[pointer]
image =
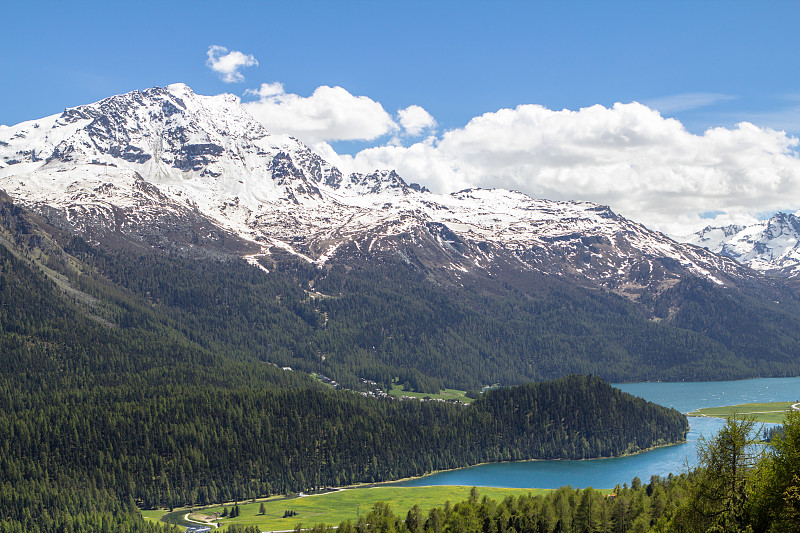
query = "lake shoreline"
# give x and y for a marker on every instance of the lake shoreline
(608, 471)
(519, 461)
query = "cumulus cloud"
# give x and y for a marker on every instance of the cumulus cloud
(329, 114)
(267, 90)
(228, 64)
(414, 120)
(646, 167)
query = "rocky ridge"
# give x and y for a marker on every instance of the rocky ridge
(771, 246)
(169, 169)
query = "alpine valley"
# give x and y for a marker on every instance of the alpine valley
(182, 291)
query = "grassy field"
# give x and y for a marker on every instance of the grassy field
(773, 412)
(447, 394)
(154, 515)
(335, 507)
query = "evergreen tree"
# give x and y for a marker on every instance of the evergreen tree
(719, 487)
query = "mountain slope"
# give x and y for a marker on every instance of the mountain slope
(366, 276)
(771, 246)
(184, 172)
(106, 404)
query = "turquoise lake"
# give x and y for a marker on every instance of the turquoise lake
(606, 473)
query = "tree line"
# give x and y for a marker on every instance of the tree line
(737, 487)
(385, 321)
(97, 420)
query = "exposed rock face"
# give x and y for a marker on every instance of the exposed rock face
(771, 246)
(170, 169)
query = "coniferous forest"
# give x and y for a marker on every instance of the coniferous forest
(387, 320)
(112, 400)
(132, 380)
(734, 489)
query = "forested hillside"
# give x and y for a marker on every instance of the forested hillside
(389, 320)
(369, 276)
(111, 400)
(734, 489)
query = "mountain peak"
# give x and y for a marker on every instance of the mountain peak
(170, 168)
(380, 181)
(771, 245)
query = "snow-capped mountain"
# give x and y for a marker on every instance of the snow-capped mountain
(771, 245)
(168, 168)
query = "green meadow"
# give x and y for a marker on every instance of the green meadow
(334, 507)
(446, 394)
(772, 412)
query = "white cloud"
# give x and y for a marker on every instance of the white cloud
(227, 64)
(267, 90)
(686, 101)
(329, 114)
(786, 119)
(414, 120)
(646, 167)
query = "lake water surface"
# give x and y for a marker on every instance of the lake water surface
(606, 473)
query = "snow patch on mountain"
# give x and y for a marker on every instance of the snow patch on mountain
(772, 245)
(140, 159)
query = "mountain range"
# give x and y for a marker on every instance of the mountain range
(771, 246)
(389, 279)
(175, 170)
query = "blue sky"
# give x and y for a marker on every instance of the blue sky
(707, 64)
(455, 59)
